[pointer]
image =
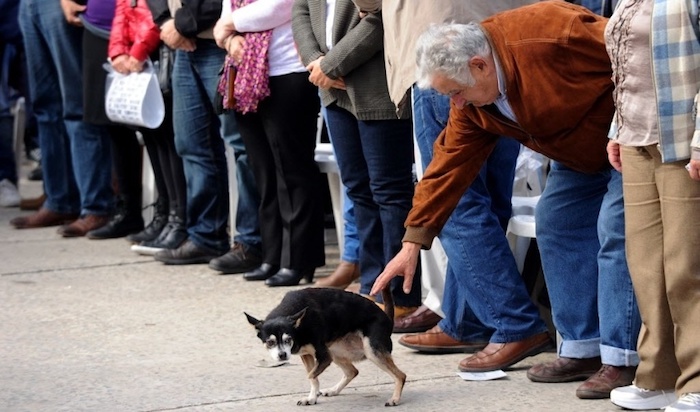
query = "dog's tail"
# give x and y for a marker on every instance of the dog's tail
(388, 303)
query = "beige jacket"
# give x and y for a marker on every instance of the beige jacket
(405, 20)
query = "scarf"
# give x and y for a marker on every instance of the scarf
(250, 77)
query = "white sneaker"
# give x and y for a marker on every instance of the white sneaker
(638, 399)
(687, 402)
(9, 196)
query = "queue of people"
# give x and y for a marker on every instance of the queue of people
(467, 84)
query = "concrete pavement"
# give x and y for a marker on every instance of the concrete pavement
(88, 325)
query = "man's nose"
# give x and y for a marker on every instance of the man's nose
(458, 100)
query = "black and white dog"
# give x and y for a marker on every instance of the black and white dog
(330, 325)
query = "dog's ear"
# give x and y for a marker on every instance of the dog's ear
(253, 321)
(297, 317)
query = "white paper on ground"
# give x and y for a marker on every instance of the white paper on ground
(482, 376)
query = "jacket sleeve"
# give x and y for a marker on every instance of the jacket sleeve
(359, 45)
(146, 36)
(159, 11)
(196, 16)
(118, 37)
(459, 152)
(302, 28)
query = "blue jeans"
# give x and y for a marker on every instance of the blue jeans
(247, 218)
(580, 232)
(485, 298)
(375, 160)
(351, 246)
(199, 144)
(76, 156)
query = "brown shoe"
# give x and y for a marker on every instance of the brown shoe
(342, 276)
(43, 218)
(419, 321)
(606, 379)
(564, 370)
(32, 204)
(83, 225)
(437, 341)
(503, 355)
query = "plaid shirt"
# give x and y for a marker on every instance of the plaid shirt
(675, 47)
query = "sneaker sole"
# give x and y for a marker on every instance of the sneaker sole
(642, 405)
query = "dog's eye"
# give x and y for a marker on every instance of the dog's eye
(270, 343)
(287, 341)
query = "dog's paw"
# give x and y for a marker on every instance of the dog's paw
(329, 392)
(306, 401)
(392, 402)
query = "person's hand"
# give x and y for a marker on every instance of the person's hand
(403, 264)
(173, 38)
(614, 155)
(319, 79)
(119, 64)
(694, 169)
(134, 65)
(71, 11)
(235, 46)
(223, 29)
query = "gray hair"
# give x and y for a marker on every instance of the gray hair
(446, 49)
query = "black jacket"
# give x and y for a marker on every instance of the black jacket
(194, 17)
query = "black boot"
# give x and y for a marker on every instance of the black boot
(160, 219)
(172, 236)
(124, 221)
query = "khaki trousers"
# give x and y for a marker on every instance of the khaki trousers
(662, 219)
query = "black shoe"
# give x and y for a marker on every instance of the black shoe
(36, 174)
(237, 260)
(187, 254)
(265, 271)
(151, 231)
(120, 225)
(290, 277)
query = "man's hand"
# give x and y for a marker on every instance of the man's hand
(403, 264)
(71, 10)
(223, 29)
(614, 155)
(318, 78)
(173, 38)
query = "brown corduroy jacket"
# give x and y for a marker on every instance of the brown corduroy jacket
(558, 83)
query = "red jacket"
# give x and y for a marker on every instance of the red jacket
(133, 30)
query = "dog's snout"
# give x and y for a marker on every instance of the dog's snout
(282, 355)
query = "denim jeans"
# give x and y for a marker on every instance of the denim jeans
(76, 156)
(247, 218)
(8, 167)
(375, 160)
(198, 141)
(485, 298)
(351, 244)
(580, 232)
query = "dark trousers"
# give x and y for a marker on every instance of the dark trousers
(280, 140)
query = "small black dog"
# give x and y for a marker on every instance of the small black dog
(325, 325)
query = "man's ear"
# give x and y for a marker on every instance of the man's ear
(478, 63)
(253, 321)
(297, 317)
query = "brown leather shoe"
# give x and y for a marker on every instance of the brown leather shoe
(437, 341)
(606, 379)
(342, 276)
(32, 204)
(83, 225)
(43, 218)
(503, 355)
(564, 370)
(419, 321)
